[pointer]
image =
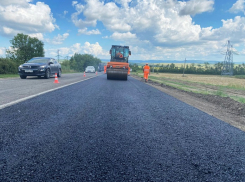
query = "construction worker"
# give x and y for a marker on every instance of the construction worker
(105, 69)
(146, 71)
(119, 54)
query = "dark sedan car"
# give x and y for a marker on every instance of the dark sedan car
(40, 66)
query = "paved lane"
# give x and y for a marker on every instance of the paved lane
(16, 88)
(110, 130)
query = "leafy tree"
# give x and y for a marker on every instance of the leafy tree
(79, 62)
(24, 48)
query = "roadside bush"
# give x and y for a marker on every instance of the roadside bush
(8, 66)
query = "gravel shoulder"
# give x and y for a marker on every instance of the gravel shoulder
(223, 108)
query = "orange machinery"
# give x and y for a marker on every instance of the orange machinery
(118, 67)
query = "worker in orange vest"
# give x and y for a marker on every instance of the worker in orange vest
(146, 71)
(105, 69)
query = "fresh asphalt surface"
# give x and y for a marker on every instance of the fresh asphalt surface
(112, 130)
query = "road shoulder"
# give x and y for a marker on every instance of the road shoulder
(227, 110)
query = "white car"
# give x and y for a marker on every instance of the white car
(90, 69)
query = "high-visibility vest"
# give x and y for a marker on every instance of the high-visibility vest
(146, 69)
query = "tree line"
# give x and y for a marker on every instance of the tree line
(192, 68)
(24, 47)
(78, 62)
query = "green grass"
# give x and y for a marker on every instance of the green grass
(8, 75)
(69, 71)
(170, 82)
(239, 99)
(220, 93)
(182, 86)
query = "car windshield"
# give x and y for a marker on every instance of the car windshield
(90, 67)
(38, 61)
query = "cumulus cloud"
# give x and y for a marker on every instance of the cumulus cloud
(123, 36)
(163, 27)
(238, 7)
(194, 7)
(94, 49)
(22, 17)
(39, 36)
(2, 51)
(110, 14)
(124, 3)
(58, 39)
(232, 29)
(86, 32)
(22, 3)
(154, 22)
(87, 48)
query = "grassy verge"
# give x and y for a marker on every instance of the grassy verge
(239, 99)
(8, 75)
(17, 75)
(220, 92)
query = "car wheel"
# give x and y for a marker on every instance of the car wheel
(47, 74)
(23, 77)
(59, 73)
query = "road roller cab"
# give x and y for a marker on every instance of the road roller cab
(118, 67)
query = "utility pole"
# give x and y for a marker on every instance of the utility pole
(58, 55)
(184, 69)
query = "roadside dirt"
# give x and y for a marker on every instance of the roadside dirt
(223, 108)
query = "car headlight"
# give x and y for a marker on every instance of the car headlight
(20, 67)
(42, 68)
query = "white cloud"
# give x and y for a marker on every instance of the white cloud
(86, 32)
(94, 49)
(22, 17)
(87, 48)
(124, 3)
(39, 36)
(2, 51)
(74, 3)
(123, 36)
(232, 29)
(152, 25)
(194, 7)
(58, 39)
(15, 2)
(110, 14)
(238, 6)
(65, 12)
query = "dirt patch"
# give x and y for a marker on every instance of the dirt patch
(223, 108)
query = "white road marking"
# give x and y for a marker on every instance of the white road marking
(32, 96)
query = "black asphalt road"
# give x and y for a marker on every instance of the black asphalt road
(112, 130)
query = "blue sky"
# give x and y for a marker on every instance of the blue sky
(154, 29)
